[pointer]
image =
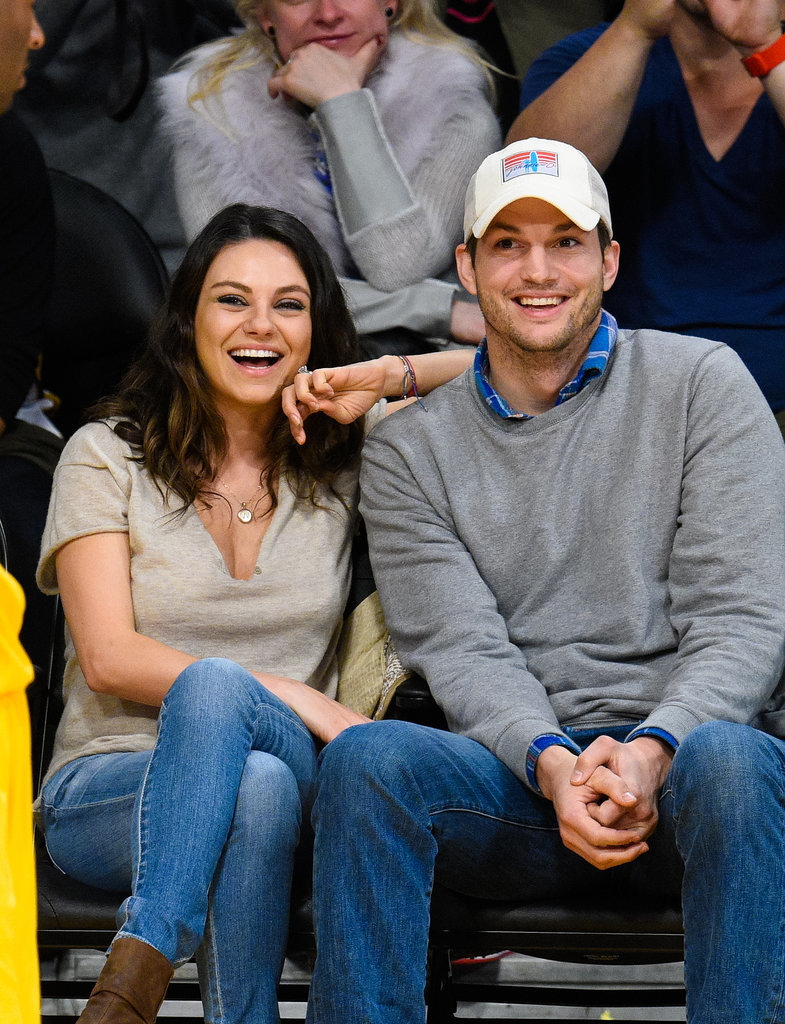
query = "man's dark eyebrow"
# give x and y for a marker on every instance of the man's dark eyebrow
(501, 226)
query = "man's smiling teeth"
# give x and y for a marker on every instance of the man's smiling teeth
(553, 301)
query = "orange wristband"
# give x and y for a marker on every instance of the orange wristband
(761, 63)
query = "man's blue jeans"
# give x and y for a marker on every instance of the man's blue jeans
(203, 830)
(398, 805)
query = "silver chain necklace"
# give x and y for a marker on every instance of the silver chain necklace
(244, 514)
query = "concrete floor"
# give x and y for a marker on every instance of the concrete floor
(512, 969)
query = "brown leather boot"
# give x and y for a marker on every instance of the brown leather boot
(131, 987)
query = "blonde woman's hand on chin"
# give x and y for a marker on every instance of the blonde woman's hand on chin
(323, 716)
(315, 73)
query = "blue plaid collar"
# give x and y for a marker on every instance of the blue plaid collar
(593, 366)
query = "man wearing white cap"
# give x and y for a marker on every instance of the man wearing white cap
(580, 544)
(680, 104)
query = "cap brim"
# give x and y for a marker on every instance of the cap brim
(532, 187)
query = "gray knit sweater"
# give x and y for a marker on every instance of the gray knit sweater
(617, 559)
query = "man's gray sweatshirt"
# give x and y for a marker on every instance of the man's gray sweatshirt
(617, 559)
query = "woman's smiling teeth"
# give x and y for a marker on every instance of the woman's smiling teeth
(255, 356)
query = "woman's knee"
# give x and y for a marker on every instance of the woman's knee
(211, 687)
(268, 809)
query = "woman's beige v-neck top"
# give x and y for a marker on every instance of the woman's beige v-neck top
(284, 620)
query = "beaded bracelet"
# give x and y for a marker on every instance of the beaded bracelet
(409, 383)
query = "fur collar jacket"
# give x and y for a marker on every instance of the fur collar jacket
(242, 145)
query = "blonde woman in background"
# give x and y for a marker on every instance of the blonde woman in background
(365, 119)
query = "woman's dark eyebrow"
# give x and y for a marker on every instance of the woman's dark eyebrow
(232, 284)
(244, 287)
(293, 288)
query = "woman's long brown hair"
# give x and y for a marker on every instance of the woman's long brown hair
(163, 406)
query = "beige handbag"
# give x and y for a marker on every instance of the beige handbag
(369, 670)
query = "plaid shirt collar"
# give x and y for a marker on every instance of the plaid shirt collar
(593, 366)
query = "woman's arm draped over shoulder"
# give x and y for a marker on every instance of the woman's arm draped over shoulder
(347, 392)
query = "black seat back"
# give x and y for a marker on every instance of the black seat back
(109, 283)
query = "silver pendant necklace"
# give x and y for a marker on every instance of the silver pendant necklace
(244, 514)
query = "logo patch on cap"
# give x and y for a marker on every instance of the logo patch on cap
(533, 161)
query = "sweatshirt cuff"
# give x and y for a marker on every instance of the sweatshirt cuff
(653, 730)
(425, 307)
(673, 719)
(536, 747)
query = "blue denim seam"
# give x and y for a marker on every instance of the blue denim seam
(46, 844)
(217, 993)
(298, 724)
(53, 809)
(140, 861)
(775, 1014)
(493, 817)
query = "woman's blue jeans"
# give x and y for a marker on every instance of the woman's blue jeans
(203, 830)
(398, 805)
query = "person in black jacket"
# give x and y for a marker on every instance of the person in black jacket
(29, 445)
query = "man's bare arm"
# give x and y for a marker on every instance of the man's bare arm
(752, 26)
(591, 104)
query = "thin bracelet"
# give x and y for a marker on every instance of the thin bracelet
(409, 382)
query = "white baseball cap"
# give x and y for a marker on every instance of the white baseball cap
(543, 169)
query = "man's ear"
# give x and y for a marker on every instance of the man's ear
(610, 265)
(463, 261)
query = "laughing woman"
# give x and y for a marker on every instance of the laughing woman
(202, 556)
